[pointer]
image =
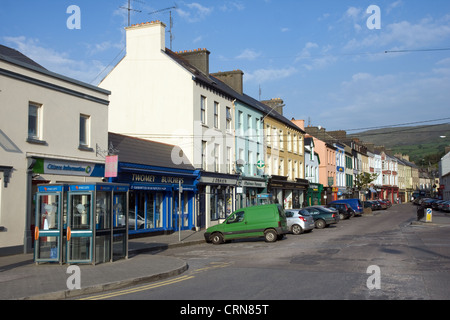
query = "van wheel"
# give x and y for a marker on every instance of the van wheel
(320, 224)
(270, 235)
(296, 229)
(216, 238)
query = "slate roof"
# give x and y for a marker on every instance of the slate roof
(144, 152)
(16, 55)
(13, 56)
(220, 86)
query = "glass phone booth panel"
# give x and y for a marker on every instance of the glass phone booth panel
(103, 219)
(48, 224)
(79, 239)
(120, 222)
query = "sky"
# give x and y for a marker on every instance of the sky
(339, 64)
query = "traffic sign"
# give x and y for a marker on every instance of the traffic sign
(429, 215)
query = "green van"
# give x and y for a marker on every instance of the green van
(268, 221)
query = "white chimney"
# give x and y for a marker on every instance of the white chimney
(145, 40)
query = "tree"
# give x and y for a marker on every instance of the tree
(364, 179)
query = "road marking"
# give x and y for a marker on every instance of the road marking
(134, 290)
(213, 265)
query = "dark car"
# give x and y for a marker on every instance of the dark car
(445, 206)
(345, 212)
(323, 217)
(435, 205)
(372, 205)
(382, 204)
(428, 203)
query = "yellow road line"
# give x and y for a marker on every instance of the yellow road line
(215, 265)
(133, 290)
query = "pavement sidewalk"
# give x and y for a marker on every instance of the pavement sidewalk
(21, 278)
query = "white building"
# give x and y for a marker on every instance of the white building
(170, 97)
(51, 128)
(444, 176)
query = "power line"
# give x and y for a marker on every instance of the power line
(398, 125)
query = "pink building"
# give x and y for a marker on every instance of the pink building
(327, 155)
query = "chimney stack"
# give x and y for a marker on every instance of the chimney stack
(145, 40)
(233, 79)
(276, 104)
(199, 58)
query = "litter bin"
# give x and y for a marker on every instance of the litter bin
(420, 213)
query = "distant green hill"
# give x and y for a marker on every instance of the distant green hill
(423, 144)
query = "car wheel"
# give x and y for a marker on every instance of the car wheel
(320, 224)
(296, 229)
(216, 238)
(341, 216)
(270, 235)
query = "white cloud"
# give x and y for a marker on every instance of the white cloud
(58, 62)
(248, 54)
(194, 12)
(380, 99)
(405, 35)
(232, 5)
(266, 75)
(314, 57)
(353, 12)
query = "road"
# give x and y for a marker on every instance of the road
(375, 257)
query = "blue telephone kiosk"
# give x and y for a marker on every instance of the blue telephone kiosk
(81, 223)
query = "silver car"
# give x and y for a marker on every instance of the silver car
(299, 222)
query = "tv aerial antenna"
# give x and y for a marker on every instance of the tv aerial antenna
(131, 9)
(170, 21)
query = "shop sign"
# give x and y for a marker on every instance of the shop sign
(145, 178)
(255, 184)
(221, 181)
(61, 167)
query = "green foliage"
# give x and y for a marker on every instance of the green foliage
(364, 179)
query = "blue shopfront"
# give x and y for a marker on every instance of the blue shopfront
(155, 200)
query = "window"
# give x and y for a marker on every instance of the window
(203, 109)
(295, 142)
(216, 114)
(281, 139)
(289, 142)
(229, 119)
(34, 119)
(240, 123)
(229, 156)
(204, 155)
(268, 138)
(216, 157)
(84, 130)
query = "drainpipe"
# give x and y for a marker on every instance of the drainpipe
(28, 198)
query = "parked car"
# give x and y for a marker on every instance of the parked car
(298, 221)
(372, 205)
(323, 217)
(428, 203)
(388, 202)
(383, 204)
(445, 206)
(268, 221)
(354, 203)
(435, 205)
(344, 210)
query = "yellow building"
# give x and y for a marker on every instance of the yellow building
(284, 157)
